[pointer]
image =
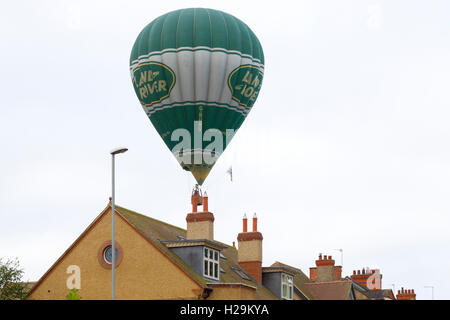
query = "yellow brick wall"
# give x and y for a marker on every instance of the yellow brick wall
(200, 230)
(250, 250)
(144, 273)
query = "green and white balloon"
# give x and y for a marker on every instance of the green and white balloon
(199, 70)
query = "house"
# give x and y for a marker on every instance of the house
(156, 260)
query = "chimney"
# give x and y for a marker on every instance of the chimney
(370, 278)
(205, 202)
(250, 249)
(200, 225)
(406, 295)
(325, 270)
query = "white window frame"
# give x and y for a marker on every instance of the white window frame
(208, 261)
(287, 282)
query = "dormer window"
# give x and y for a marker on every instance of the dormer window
(211, 263)
(287, 287)
(202, 255)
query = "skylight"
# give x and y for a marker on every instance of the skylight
(242, 274)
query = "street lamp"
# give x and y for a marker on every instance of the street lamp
(113, 245)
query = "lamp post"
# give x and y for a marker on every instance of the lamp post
(113, 245)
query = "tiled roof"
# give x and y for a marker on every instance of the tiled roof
(154, 231)
(379, 294)
(333, 290)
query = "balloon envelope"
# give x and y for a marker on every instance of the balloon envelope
(197, 73)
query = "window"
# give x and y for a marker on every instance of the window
(104, 254)
(107, 254)
(287, 287)
(211, 263)
(241, 274)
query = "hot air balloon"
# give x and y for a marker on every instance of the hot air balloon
(197, 73)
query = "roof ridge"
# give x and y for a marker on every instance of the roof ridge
(281, 264)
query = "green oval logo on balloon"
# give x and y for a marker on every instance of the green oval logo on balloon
(197, 73)
(245, 83)
(153, 82)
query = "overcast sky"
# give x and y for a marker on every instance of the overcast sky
(346, 147)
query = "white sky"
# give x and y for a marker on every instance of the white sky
(346, 147)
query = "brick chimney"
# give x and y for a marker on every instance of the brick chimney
(250, 249)
(200, 225)
(325, 270)
(371, 278)
(406, 295)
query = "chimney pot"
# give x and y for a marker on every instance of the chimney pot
(255, 223)
(320, 256)
(354, 272)
(194, 200)
(324, 257)
(205, 203)
(412, 291)
(244, 223)
(359, 271)
(329, 257)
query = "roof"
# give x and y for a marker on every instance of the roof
(382, 294)
(332, 290)
(158, 232)
(300, 279)
(278, 269)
